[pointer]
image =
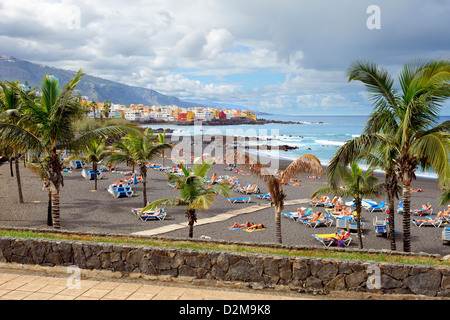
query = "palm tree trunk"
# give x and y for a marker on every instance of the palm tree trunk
(94, 166)
(19, 182)
(358, 222)
(391, 221)
(406, 216)
(11, 166)
(191, 217)
(278, 224)
(49, 208)
(144, 184)
(55, 210)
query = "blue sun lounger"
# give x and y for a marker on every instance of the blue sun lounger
(430, 222)
(120, 192)
(239, 200)
(379, 207)
(265, 196)
(77, 164)
(324, 221)
(446, 235)
(381, 227)
(90, 175)
(150, 215)
(331, 239)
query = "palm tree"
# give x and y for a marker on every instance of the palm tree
(49, 131)
(410, 116)
(106, 108)
(93, 105)
(193, 191)
(305, 163)
(94, 152)
(11, 112)
(376, 150)
(162, 140)
(357, 185)
(139, 149)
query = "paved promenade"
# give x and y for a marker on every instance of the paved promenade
(18, 282)
(32, 282)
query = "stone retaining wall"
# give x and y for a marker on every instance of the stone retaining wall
(261, 271)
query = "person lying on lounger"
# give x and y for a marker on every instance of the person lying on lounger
(256, 227)
(428, 220)
(299, 214)
(315, 217)
(340, 235)
(443, 215)
(237, 225)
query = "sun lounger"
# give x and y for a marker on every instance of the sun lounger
(428, 223)
(331, 239)
(120, 192)
(77, 164)
(239, 200)
(265, 196)
(316, 203)
(446, 235)
(295, 215)
(324, 221)
(422, 212)
(90, 175)
(241, 189)
(380, 207)
(348, 223)
(252, 190)
(381, 227)
(150, 215)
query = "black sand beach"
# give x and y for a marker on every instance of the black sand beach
(85, 210)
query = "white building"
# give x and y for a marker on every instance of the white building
(132, 115)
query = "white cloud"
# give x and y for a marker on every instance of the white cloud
(191, 49)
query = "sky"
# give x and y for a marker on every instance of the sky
(282, 57)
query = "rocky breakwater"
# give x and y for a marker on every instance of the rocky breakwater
(302, 274)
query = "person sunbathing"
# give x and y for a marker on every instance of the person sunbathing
(299, 214)
(256, 227)
(428, 220)
(340, 235)
(315, 199)
(237, 225)
(214, 179)
(314, 218)
(443, 215)
(319, 217)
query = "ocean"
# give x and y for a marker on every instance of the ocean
(318, 135)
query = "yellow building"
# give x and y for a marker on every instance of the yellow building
(190, 116)
(248, 114)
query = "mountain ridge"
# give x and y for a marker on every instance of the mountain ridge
(95, 88)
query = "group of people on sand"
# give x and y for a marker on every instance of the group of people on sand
(441, 215)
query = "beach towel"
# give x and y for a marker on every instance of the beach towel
(237, 228)
(252, 230)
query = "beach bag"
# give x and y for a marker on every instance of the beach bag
(341, 243)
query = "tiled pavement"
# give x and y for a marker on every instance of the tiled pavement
(25, 284)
